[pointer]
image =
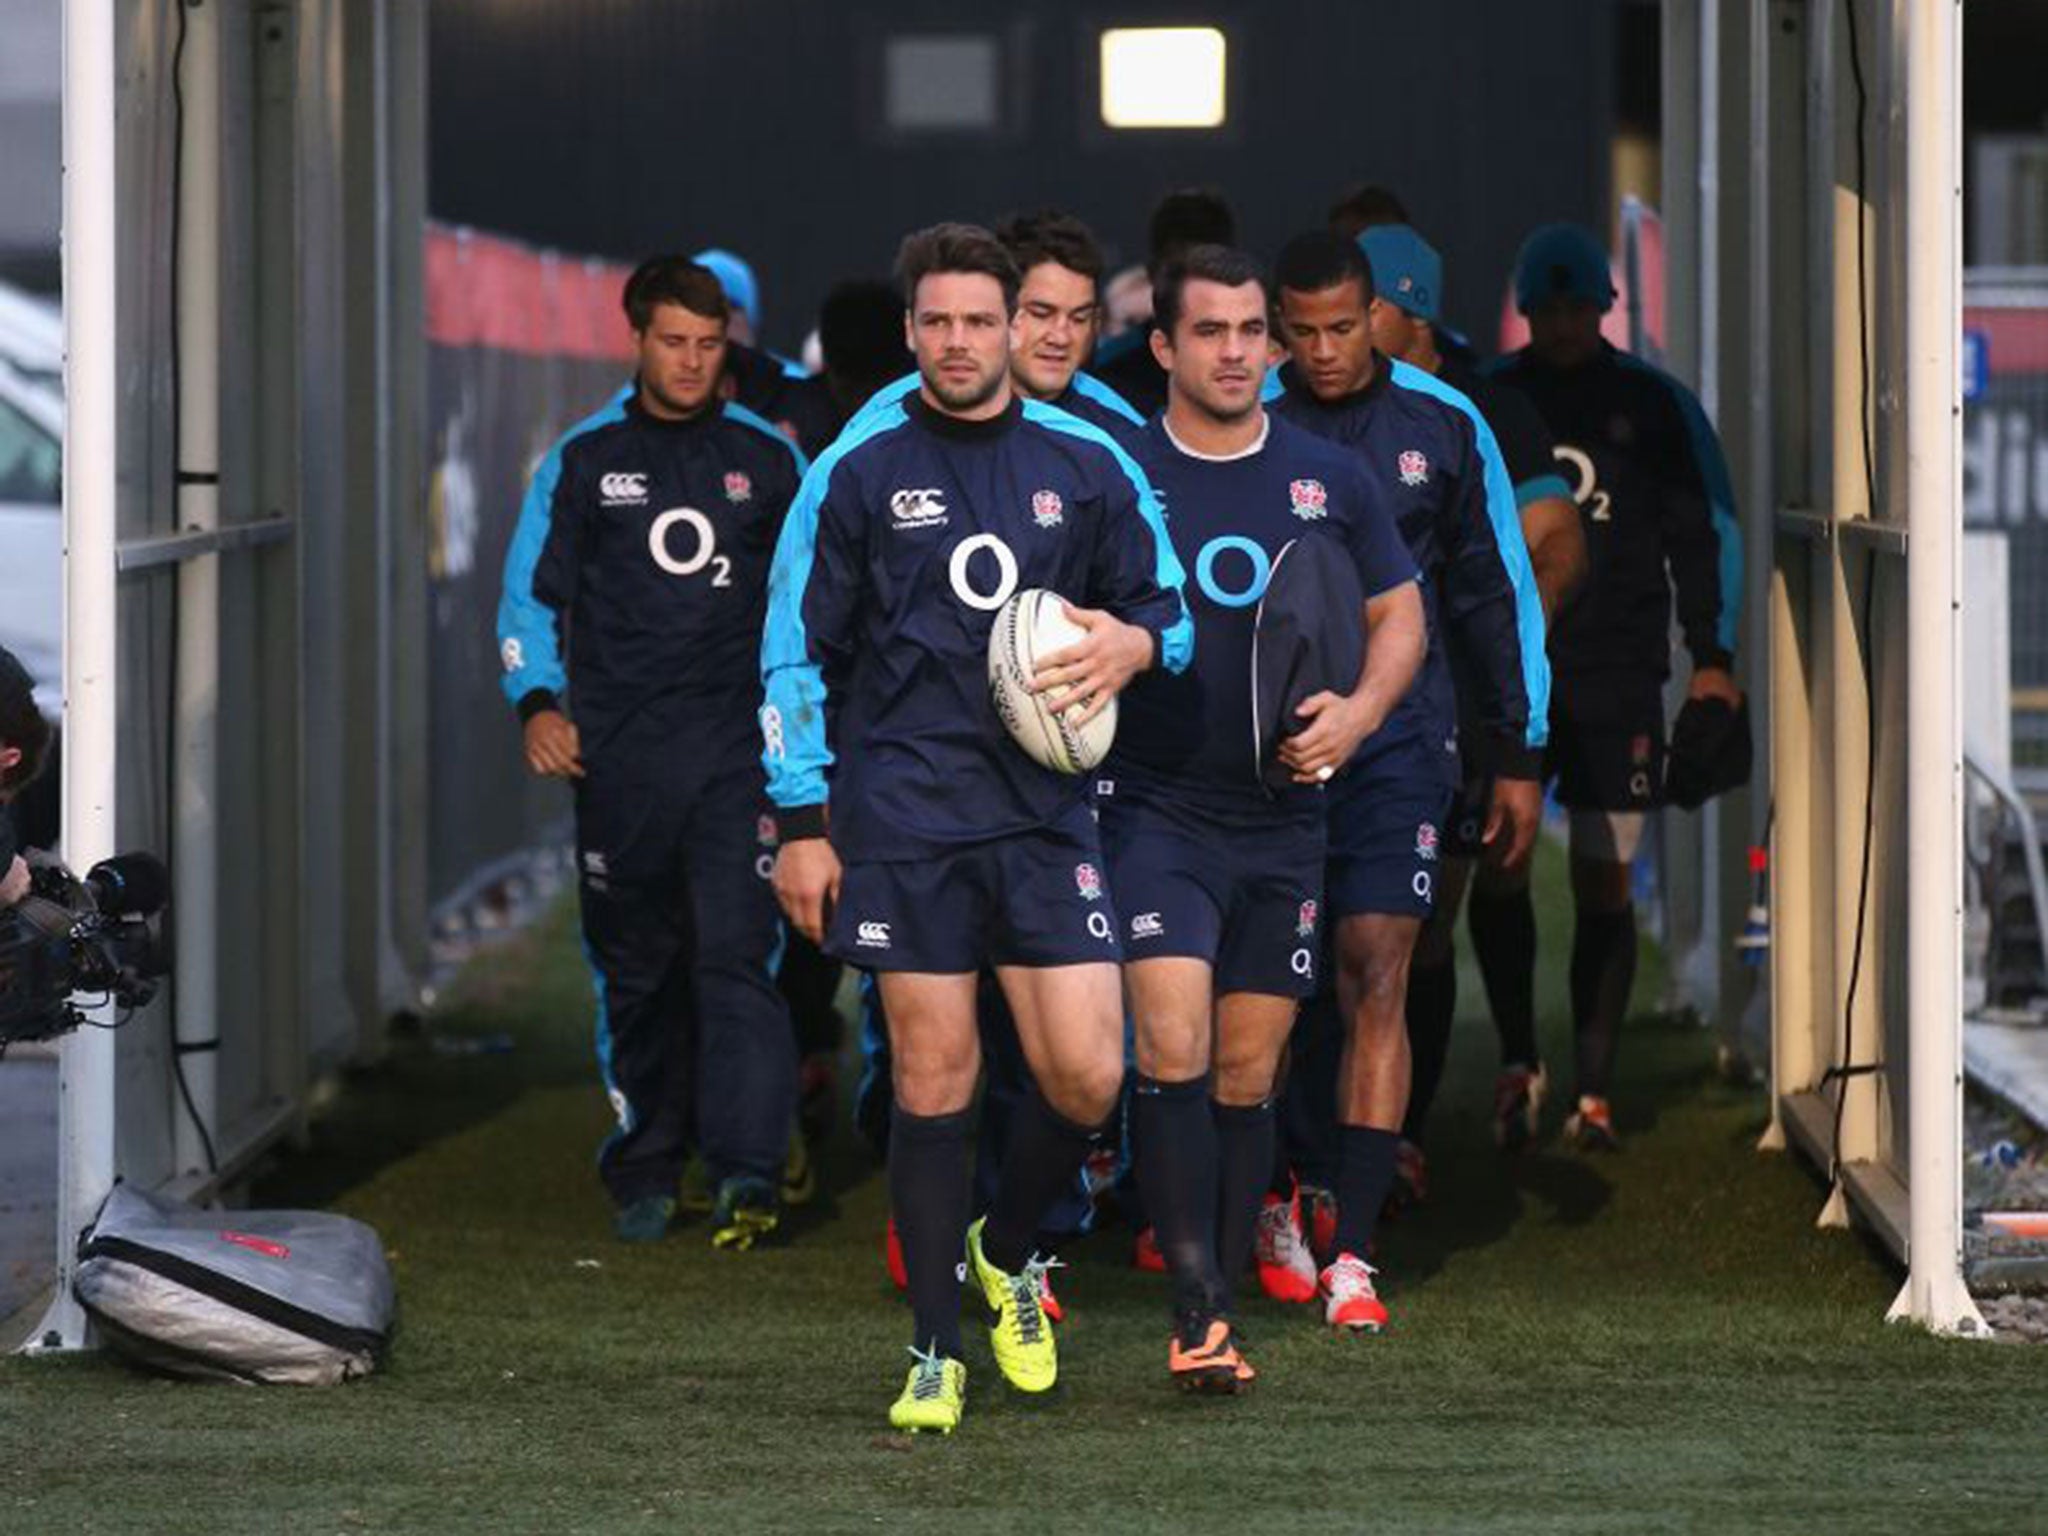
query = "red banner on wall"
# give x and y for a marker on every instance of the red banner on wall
(486, 291)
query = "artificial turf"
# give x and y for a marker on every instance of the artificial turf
(1659, 1340)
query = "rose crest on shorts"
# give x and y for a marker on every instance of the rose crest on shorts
(1413, 465)
(1047, 510)
(739, 486)
(764, 830)
(1425, 841)
(1305, 921)
(1088, 881)
(1308, 499)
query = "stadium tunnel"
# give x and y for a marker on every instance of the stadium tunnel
(280, 530)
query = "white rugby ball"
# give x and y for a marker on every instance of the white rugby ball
(1030, 625)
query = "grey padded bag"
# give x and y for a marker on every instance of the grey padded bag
(253, 1296)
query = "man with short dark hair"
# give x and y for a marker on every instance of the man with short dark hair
(1363, 205)
(917, 839)
(636, 582)
(24, 742)
(1218, 872)
(1658, 511)
(1432, 460)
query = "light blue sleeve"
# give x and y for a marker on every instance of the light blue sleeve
(1505, 517)
(1089, 387)
(794, 749)
(527, 642)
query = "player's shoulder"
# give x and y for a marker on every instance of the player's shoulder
(1104, 401)
(756, 434)
(1427, 395)
(1066, 434)
(603, 428)
(871, 437)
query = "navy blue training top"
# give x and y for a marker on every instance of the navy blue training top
(637, 575)
(1188, 739)
(908, 535)
(1432, 461)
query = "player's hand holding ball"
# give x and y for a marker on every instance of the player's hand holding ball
(807, 874)
(1095, 668)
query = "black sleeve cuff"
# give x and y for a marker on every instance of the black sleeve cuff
(535, 702)
(1712, 656)
(1515, 759)
(794, 823)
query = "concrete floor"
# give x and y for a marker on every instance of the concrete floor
(28, 1178)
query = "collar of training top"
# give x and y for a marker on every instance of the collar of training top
(1382, 376)
(961, 428)
(713, 410)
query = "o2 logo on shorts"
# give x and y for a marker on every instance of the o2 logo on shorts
(1099, 928)
(1586, 483)
(1305, 921)
(962, 580)
(765, 837)
(1088, 881)
(1424, 887)
(704, 553)
(1252, 590)
(1303, 963)
(1426, 842)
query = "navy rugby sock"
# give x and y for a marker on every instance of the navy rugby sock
(1432, 1001)
(1178, 1173)
(1603, 972)
(1365, 1172)
(928, 1194)
(1504, 942)
(1045, 1152)
(1245, 1135)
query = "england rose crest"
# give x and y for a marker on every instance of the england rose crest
(1414, 467)
(1087, 881)
(738, 487)
(1305, 926)
(1309, 499)
(764, 831)
(1425, 842)
(1047, 509)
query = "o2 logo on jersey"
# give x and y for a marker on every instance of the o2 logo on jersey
(962, 578)
(1260, 571)
(1586, 483)
(1308, 500)
(704, 553)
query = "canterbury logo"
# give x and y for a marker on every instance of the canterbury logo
(872, 935)
(917, 508)
(622, 488)
(1147, 925)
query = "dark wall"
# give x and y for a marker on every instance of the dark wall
(619, 128)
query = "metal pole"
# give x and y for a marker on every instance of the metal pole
(195, 845)
(1934, 1294)
(85, 1104)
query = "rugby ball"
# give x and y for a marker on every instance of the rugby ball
(1032, 624)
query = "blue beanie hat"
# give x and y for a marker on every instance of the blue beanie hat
(736, 278)
(1406, 270)
(1562, 261)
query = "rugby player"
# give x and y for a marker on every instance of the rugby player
(1408, 277)
(1657, 509)
(637, 580)
(1181, 220)
(1218, 879)
(1432, 460)
(1059, 312)
(917, 839)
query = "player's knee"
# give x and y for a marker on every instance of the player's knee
(1084, 1092)
(934, 1082)
(1243, 1077)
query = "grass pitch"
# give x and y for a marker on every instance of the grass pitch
(1655, 1341)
